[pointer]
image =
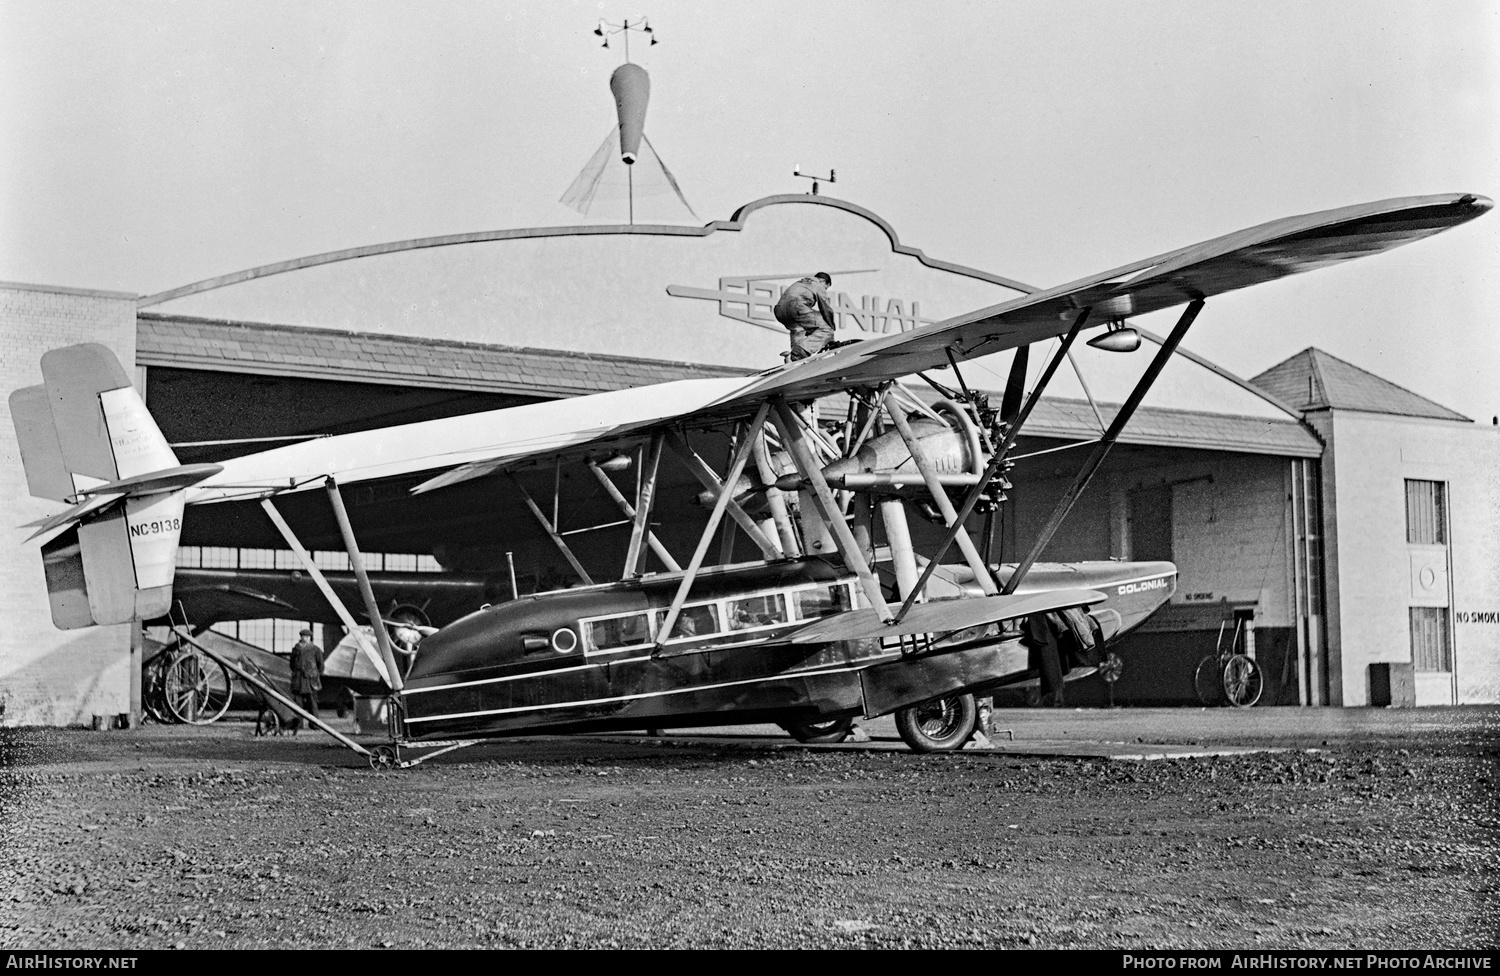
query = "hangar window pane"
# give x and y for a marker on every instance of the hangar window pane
(1426, 513)
(219, 557)
(257, 559)
(1431, 648)
(331, 560)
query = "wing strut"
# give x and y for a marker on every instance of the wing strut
(1101, 449)
(551, 531)
(357, 563)
(629, 510)
(833, 517)
(635, 556)
(722, 502)
(944, 504)
(709, 480)
(322, 583)
(1013, 421)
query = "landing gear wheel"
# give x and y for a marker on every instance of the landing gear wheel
(196, 689)
(267, 722)
(1242, 681)
(1208, 680)
(832, 730)
(383, 757)
(938, 726)
(1111, 668)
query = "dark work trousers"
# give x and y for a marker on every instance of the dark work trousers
(1042, 656)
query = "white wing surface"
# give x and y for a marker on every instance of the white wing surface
(478, 444)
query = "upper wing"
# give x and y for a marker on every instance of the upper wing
(477, 444)
(1248, 257)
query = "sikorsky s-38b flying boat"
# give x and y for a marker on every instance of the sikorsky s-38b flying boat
(817, 632)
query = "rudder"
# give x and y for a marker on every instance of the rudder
(87, 438)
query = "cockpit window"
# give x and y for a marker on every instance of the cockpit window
(614, 632)
(822, 601)
(699, 621)
(757, 611)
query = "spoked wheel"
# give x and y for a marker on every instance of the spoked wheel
(196, 689)
(383, 758)
(1111, 668)
(938, 726)
(152, 698)
(1208, 680)
(268, 722)
(833, 730)
(1242, 681)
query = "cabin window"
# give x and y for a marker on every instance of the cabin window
(756, 611)
(613, 632)
(822, 601)
(699, 621)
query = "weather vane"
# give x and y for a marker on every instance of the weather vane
(797, 171)
(607, 30)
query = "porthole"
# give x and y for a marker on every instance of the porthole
(564, 640)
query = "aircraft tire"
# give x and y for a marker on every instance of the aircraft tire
(832, 730)
(943, 725)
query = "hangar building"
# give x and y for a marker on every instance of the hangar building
(1351, 524)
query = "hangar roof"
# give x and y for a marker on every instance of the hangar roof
(1314, 379)
(331, 354)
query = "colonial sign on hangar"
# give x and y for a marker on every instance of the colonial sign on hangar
(751, 299)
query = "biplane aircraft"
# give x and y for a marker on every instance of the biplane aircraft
(811, 635)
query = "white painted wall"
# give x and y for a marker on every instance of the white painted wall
(50, 676)
(1369, 572)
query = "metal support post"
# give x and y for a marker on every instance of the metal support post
(630, 513)
(705, 475)
(776, 500)
(944, 504)
(551, 530)
(1101, 449)
(321, 582)
(246, 676)
(721, 503)
(635, 557)
(357, 563)
(791, 436)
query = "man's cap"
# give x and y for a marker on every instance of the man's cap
(824, 275)
(305, 632)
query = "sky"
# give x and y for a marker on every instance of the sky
(151, 144)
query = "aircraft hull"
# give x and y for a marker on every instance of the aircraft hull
(495, 692)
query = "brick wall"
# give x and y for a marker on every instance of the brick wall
(50, 676)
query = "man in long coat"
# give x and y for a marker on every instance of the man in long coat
(806, 312)
(307, 675)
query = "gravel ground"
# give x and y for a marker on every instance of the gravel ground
(1378, 829)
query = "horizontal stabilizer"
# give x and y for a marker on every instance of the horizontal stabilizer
(155, 482)
(70, 516)
(941, 616)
